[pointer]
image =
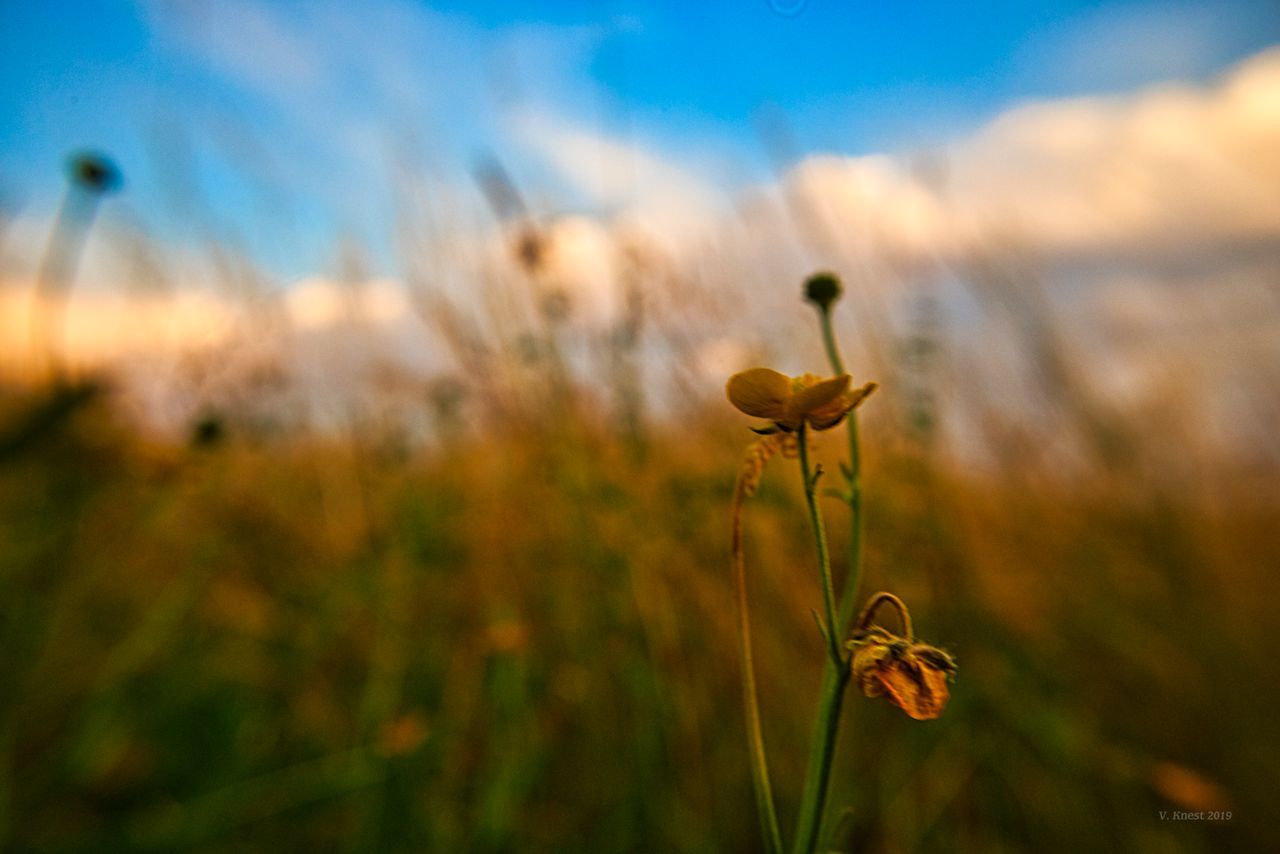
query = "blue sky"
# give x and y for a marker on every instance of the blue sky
(278, 126)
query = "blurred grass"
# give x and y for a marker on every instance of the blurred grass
(523, 640)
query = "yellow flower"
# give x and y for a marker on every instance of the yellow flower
(913, 676)
(790, 402)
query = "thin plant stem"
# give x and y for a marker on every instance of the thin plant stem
(820, 536)
(829, 340)
(821, 755)
(835, 677)
(750, 699)
(849, 593)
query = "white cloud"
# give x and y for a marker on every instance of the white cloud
(623, 176)
(1172, 167)
(873, 202)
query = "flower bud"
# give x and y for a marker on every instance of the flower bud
(94, 173)
(823, 289)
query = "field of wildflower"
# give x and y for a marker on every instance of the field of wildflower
(521, 634)
(788, 426)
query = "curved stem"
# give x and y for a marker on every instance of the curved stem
(903, 614)
(750, 699)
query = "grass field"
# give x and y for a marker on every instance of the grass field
(377, 393)
(522, 639)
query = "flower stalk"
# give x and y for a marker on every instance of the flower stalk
(822, 751)
(744, 486)
(823, 290)
(811, 477)
(911, 675)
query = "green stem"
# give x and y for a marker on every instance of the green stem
(835, 676)
(854, 486)
(829, 339)
(849, 593)
(822, 753)
(750, 699)
(820, 535)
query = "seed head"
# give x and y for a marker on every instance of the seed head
(94, 173)
(823, 289)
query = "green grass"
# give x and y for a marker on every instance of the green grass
(525, 642)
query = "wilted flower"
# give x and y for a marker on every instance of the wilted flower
(912, 675)
(790, 402)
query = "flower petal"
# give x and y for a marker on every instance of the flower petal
(857, 395)
(866, 664)
(829, 415)
(760, 392)
(826, 417)
(819, 394)
(921, 692)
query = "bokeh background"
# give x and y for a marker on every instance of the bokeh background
(365, 468)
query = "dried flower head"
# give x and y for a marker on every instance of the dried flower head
(913, 676)
(790, 402)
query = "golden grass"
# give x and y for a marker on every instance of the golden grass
(525, 641)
